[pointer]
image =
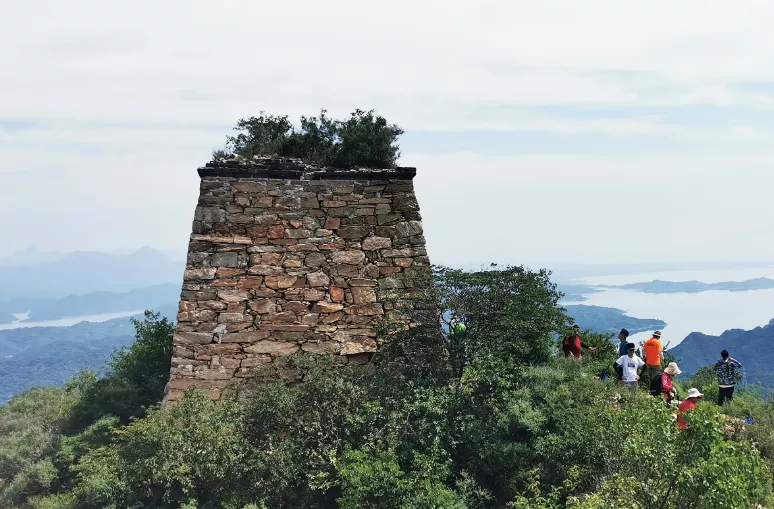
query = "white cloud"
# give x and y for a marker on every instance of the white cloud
(126, 99)
(207, 61)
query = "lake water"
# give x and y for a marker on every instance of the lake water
(67, 322)
(711, 312)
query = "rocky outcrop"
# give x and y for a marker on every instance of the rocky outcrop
(285, 259)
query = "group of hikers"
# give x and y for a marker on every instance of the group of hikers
(631, 368)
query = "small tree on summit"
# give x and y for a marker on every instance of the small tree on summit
(364, 140)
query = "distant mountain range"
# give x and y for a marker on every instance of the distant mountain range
(29, 256)
(610, 320)
(40, 356)
(87, 272)
(657, 286)
(92, 303)
(752, 348)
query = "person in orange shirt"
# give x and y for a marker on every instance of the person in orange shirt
(654, 353)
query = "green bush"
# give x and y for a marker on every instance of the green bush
(363, 140)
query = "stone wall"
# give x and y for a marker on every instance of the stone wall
(286, 258)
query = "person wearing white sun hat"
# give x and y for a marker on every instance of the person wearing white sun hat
(689, 404)
(663, 385)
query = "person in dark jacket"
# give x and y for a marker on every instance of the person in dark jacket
(623, 337)
(725, 368)
(572, 344)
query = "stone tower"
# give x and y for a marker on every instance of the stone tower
(288, 258)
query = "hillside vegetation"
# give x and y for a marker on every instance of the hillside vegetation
(486, 418)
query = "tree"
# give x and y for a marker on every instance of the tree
(509, 313)
(135, 378)
(364, 140)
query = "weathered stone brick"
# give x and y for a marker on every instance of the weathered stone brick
(409, 228)
(234, 295)
(373, 243)
(337, 294)
(363, 294)
(230, 317)
(263, 306)
(200, 273)
(277, 282)
(348, 257)
(332, 223)
(274, 348)
(353, 232)
(318, 279)
(365, 309)
(327, 307)
(266, 270)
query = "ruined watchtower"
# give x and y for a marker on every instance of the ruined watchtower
(287, 258)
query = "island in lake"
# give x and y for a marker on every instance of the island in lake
(575, 293)
(657, 286)
(610, 320)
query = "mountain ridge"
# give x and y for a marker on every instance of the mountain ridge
(82, 272)
(750, 347)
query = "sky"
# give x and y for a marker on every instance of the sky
(543, 132)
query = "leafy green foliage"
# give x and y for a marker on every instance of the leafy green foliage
(509, 315)
(363, 140)
(43, 432)
(30, 426)
(136, 375)
(482, 416)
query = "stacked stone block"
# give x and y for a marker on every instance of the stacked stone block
(286, 258)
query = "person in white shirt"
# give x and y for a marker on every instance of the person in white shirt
(630, 365)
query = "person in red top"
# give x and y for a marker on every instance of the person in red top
(572, 345)
(689, 404)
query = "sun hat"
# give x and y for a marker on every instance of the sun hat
(657, 334)
(672, 369)
(693, 392)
